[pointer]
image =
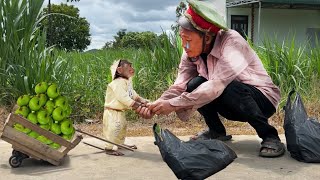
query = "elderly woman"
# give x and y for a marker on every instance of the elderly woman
(219, 73)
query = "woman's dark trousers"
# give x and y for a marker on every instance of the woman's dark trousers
(238, 102)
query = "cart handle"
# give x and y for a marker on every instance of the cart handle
(122, 146)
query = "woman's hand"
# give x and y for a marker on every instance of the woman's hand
(161, 107)
(144, 112)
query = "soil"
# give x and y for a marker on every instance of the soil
(143, 127)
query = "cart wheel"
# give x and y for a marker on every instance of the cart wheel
(15, 161)
(19, 154)
(15, 152)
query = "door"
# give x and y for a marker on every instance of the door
(240, 24)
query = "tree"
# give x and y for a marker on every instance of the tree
(108, 45)
(49, 20)
(135, 40)
(120, 34)
(138, 40)
(181, 8)
(69, 31)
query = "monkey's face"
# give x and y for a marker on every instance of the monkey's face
(126, 70)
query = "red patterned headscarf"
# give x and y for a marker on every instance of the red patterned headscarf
(200, 23)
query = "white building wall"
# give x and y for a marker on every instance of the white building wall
(283, 23)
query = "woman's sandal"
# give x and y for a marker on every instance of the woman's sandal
(276, 146)
(207, 134)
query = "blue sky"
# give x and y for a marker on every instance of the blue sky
(107, 17)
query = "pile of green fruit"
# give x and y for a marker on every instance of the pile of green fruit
(48, 109)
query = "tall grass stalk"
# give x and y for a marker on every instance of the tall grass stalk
(290, 66)
(24, 58)
(157, 68)
(314, 57)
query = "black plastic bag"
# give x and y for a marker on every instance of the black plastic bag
(302, 133)
(194, 160)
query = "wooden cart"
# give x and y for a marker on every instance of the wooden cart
(25, 146)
